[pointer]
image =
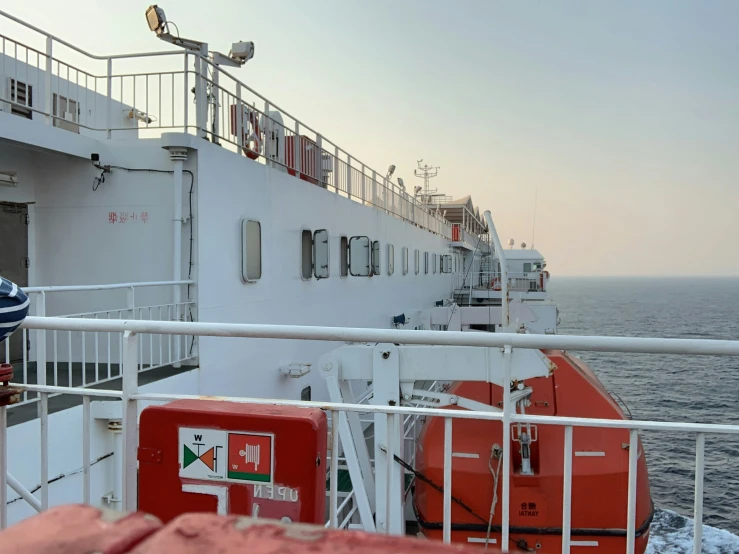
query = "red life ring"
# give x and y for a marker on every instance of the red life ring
(495, 284)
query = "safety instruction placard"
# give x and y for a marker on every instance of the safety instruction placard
(234, 456)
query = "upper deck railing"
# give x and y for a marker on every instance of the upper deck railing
(131, 396)
(147, 93)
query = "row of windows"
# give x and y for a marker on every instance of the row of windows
(358, 256)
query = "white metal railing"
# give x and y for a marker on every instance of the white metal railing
(130, 397)
(147, 93)
(91, 358)
(491, 280)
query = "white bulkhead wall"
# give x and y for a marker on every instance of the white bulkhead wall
(122, 232)
(232, 188)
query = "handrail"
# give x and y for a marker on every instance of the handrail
(113, 286)
(701, 347)
(84, 52)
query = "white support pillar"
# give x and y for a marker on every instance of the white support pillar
(130, 437)
(388, 473)
(47, 81)
(178, 157)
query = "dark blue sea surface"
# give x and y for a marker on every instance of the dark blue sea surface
(702, 389)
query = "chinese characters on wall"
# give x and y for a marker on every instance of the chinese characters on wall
(121, 218)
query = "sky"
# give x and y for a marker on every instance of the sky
(618, 120)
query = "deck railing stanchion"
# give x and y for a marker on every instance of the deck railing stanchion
(447, 523)
(130, 411)
(700, 443)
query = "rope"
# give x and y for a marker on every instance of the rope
(495, 452)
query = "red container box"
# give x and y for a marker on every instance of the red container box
(233, 458)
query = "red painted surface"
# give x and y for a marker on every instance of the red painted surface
(83, 529)
(599, 485)
(78, 529)
(298, 471)
(308, 150)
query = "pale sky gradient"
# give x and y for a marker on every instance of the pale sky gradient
(624, 114)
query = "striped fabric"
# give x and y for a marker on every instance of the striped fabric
(13, 307)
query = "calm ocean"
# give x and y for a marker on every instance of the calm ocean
(701, 389)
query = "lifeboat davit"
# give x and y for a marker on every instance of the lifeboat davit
(599, 470)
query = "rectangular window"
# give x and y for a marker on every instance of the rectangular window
(418, 262)
(321, 254)
(527, 267)
(376, 257)
(343, 257)
(433, 265)
(390, 259)
(426, 262)
(404, 256)
(251, 250)
(446, 263)
(306, 254)
(359, 256)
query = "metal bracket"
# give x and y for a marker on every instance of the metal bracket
(295, 370)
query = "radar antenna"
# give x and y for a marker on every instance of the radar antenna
(426, 172)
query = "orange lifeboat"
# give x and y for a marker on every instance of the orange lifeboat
(599, 470)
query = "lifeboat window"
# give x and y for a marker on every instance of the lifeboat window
(417, 267)
(251, 250)
(390, 259)
(425, 262)
(321, 244)
(306, 254)
(359, 256)
(343, 257)
(376, 257)
(404, 257)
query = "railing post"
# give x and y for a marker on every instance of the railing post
(131, 302)
(447, 521)
(567, 492)
(297, 150)
(506, 500)
(631, 498)
(363, 189)
(216, 91)
(186, 104)
(267, 131)
(238, 120)
(348, 176)
(319, 161)
(334, 471)
(47, 81)
(109, 117)
(700, 443)
(374, 187)
(201, 100)
(130, 379)
(41, 341)
(336, 169)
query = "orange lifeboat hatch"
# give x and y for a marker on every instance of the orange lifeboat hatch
(599, 470)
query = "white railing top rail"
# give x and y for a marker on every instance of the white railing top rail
(645, 425)
(703, 347)
(85, 52)
(112, 286)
